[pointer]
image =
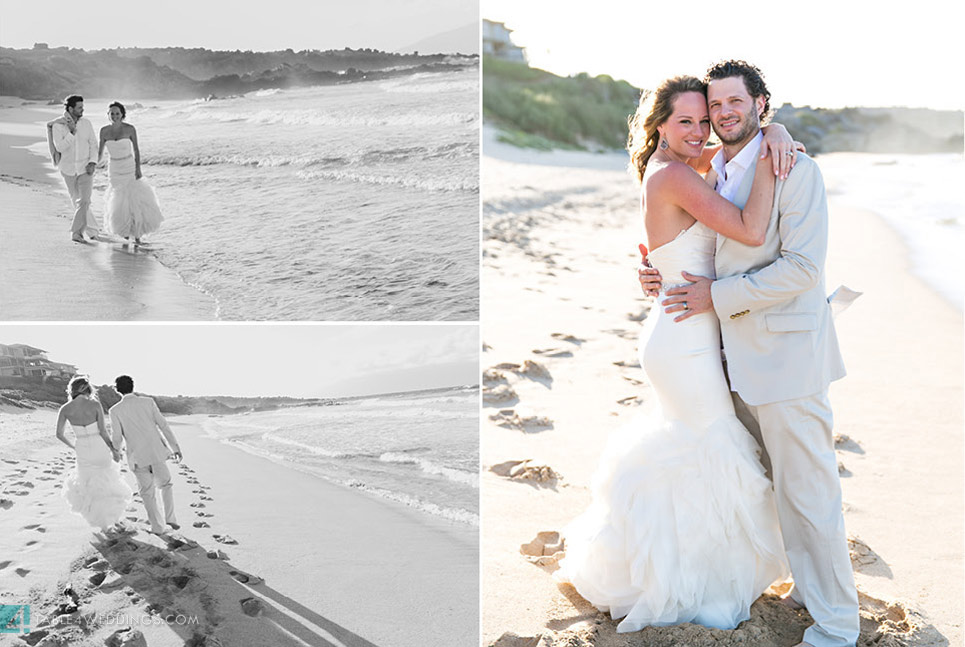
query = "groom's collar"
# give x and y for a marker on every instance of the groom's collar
(127, 395)
(743, 159)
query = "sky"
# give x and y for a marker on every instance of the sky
(822, 53)
(220, 24)
(297, 360)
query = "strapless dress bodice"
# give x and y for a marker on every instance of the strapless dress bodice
(120, 148)
(691, 251)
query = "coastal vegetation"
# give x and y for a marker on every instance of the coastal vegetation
(46, 73)
(533, 108)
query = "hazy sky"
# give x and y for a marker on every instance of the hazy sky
(262, 359)
(823, 53)
(219, 24)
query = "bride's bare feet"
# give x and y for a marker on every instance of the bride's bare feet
(803, 644)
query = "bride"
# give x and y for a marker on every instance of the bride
(683, 526)
(94, 489)
(132, 208)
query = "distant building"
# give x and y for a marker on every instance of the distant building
(498, 42)
(20, 360)
(41, 46)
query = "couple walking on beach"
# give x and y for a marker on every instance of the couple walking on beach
(95, 489)
(698, 509)
(131, 209)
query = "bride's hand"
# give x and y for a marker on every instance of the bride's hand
(782, 147)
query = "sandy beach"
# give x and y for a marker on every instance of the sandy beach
(561, 320)
(266, 555)
(46, 276)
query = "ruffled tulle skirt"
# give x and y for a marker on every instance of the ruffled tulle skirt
(682, 527)
(95, 489)
(132, 209)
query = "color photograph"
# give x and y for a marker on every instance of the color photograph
(722, 326)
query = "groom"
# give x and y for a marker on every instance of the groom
(73, 138)
(137, 419)
(781, 350)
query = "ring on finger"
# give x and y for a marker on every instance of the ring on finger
(789, 153)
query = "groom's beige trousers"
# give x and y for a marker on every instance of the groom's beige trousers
(80, 187)
(799, 457)
(151, 479)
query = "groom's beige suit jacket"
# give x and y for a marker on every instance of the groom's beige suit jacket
(138, 419)
(775, 321)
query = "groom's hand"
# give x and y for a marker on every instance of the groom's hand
(692, 299)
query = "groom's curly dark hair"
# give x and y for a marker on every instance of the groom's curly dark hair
(753, 80)
(124, 384)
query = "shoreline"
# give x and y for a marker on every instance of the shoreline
(46, 276)
(558, 260)
(323, 552)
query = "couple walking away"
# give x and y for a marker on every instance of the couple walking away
(131, 209)
(95, 489)
(693, 517)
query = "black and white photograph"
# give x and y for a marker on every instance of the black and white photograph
(213, 161)
(233, 485)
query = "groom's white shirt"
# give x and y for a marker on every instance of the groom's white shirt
(137, 419)
(731, 174)
(77, 149)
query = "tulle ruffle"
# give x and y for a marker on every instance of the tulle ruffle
(682, 527)
(132, 209)
(98, 494)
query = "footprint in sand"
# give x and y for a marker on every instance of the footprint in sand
(509, 419)
(526, 470)
(206, 498)
(203, 514)
(198, 505)
(546, 549)
(501, 394)
(22, 572)
(844, 442)
(630, 364)
(843, 471)
(32, 542)
(568, 338)
(552, 352)
(6, 504)
(201, 524)
(631, 401)
(5, 564)
(35, 526)
(11, 462)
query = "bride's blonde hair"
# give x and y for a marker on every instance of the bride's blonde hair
(655, 108)
(79, 385)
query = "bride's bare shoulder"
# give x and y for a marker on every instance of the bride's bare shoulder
(672, 176)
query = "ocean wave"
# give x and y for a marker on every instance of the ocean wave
(458, 476)
(453, 514)
(433, 185)
(313, 449)
(201, 112)
(455, 150)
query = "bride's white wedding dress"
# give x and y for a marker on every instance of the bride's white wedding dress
(682, 526)
(132, 208)
(95, 489)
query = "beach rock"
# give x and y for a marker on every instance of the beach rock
(252, 607)
(35, 636)
(217, 554)
(126, 637)
(225, 539)
(97, 578)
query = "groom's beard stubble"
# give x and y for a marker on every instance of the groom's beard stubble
(750, 124)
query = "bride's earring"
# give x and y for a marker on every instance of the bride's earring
(663, 144)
